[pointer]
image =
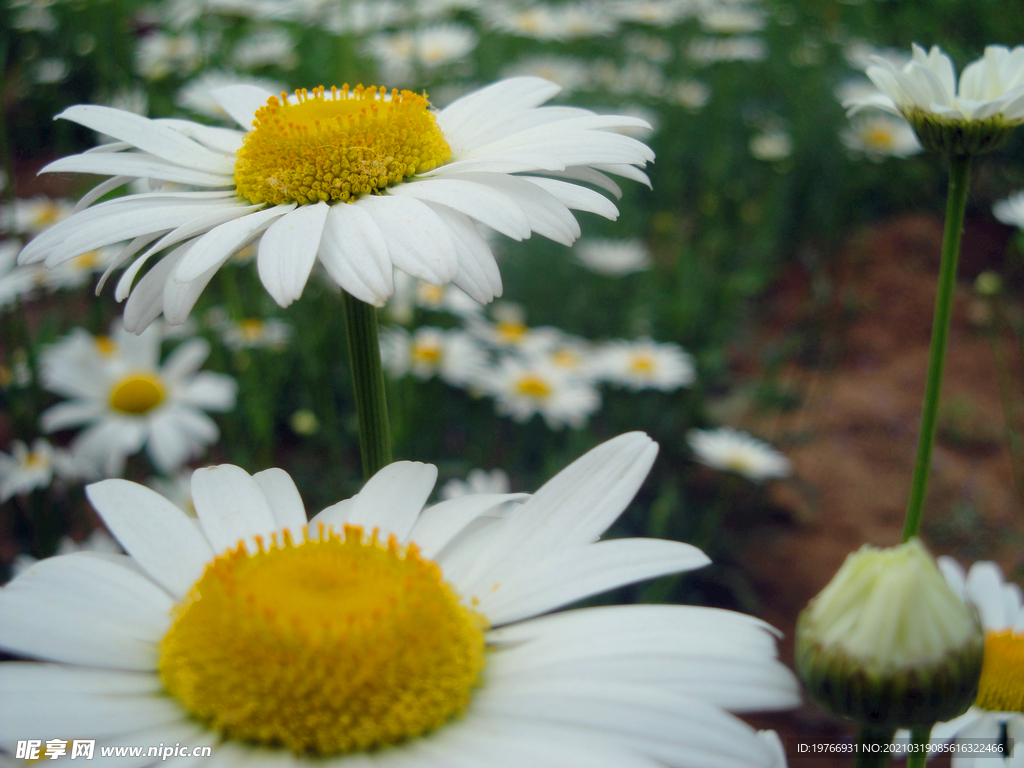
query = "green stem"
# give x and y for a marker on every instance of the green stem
(367, 384)
(872, 746)
(919, 737)
(959, 174)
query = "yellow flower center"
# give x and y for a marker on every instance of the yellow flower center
(510, 332)
(1002, 673)
(337, 145)
(430, 295)
(738, 463)
(332, 645)
(565, 358)
(105, 345)
(87, 261)
(426, 352)
(137, 394)
(878, 137)
(642, 365)
(251, 329)
(533, 386)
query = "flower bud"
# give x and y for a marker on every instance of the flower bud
(888, 643)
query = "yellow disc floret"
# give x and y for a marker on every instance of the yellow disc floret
(137, 394)
(337, 145)
(1002, 673)
(331, 645)
(533, 386)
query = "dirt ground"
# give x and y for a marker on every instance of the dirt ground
(853, 438)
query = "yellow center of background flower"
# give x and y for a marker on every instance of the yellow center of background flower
(878, 137)
(510, 332)
(641, 365)
(533, 386)
(337, 145)
(137, 394)
(325, 647)
(426, 352)
(1002, 673)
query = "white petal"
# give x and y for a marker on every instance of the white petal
(241, 102)
(283, 499)
(355, 254)
(984, 582)
(160, 140)
(163, 540)
(100, 190)
(209, 391)
(494, 103)
(478, 201)
(418, 241)
(147, 299)
(136, 165)
(580, 572)
(231, 507)
(224, 140)
(71, 414)
(576, 197)
(219, 243)
(393, 498)
(439, 524)
(185, 360)
(478, 271)
(287, 251)
(85, 608)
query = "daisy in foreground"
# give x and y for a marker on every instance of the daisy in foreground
(363, 179)
(385, 634)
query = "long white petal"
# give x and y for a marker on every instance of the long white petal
(137, 165)
(478, 271)
(283, 499)
(149, 136)
(478, 201)
(392, 498)
(498, 101)
(418, 241)
(288, 250)
(219, 243)
(355, 254)
(439, 524)
(163, 540)
(241, 102)
(110, 615)
(231, 507)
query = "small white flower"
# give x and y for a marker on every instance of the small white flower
(880, 135)
(129, 400)
(255, 333)
(771, 146)
(612, 257)
(725, 448)
(1011, 210)
(452, 355)
(477, 481)
(710, 50)
(731, 20)
(271, 47)
(662, 13)
(645, 364)
(442, 44)
(159, 55)
(688, 93)
(32, 216)
(24, 470)
(524, 388)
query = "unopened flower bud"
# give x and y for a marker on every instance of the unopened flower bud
(888, 643)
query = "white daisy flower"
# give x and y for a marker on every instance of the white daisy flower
(287, 181)
(645, 364)
(691, 94)
(880, 135)
(129, 400)
(255, 333)
(1011, 210)
(271, 47)
(972, 116)
(159, 55)
(523, 388)
(385, 634)
(710, 50)
(771, 146)
(34, 215)
(725, 448)
(612, 257)
(661, 13)
(477, 481)
(731, 20)
(453, 355)
(442, 44)
(24, 470)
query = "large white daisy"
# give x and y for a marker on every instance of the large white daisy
(382, 633)
(364, 180)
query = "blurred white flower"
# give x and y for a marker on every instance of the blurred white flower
(31, 216)
(710, 50)
(612, 257)
(444, 43)
(477, 481)
(270, 47)
(1011, 210)
(564, 21)
(880, 135)
(49, 71)
(731, 19)
(660, 13)
(126, 399)
(726, 449)
(24, 470)
(571, 73)
(453, 355)
(688, 93)
(159, 55)
(771, 146)
(254, 333)
(645, 364)
(524, 388)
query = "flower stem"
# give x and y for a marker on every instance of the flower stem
(959, 174)
(367, 384)
(872, 744)
(919, 737)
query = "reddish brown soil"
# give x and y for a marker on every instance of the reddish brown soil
(853, 439)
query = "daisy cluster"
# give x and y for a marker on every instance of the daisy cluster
(529, 371)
